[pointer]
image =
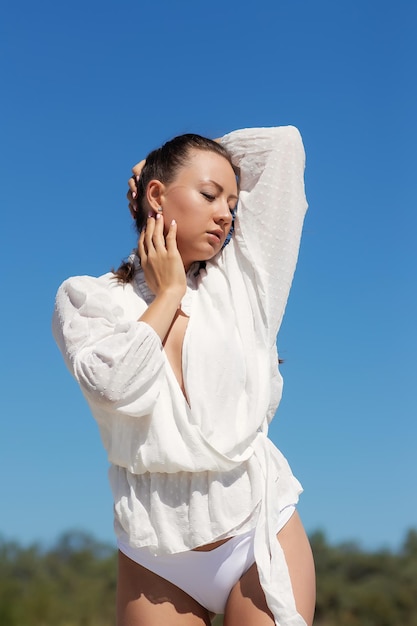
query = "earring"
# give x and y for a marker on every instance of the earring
(159, 209)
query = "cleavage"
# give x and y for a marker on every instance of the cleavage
(173, 344)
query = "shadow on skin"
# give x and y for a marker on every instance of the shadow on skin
(145, 598)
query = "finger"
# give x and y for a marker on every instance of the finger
(132, 202)
(137, 169)
(141, 247)
(132, 193)
(149, 233)
(133, 190)
(158, 235)
(171, 238)
(133, 208)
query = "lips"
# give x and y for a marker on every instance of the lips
(217, 233)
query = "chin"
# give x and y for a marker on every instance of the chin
(206, 255)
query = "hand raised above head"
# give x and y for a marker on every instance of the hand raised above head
(132, 183)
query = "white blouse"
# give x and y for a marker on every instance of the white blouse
(185, 474)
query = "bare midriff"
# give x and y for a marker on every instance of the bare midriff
(211, 546)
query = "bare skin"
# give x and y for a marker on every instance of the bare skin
(164, 273)
(173, 342)
(143, 598)
(164, 265)
(246, 605)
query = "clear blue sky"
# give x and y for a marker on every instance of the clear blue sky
(88, 88)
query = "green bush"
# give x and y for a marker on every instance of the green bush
(74, 584)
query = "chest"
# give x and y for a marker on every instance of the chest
(173, 345)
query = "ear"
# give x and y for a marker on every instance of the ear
(154, 194)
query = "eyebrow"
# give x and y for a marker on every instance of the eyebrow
(219, 187)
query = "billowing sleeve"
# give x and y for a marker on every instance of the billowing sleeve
(116, 360)
(271, 210)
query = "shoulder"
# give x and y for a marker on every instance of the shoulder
(102, 296)
(89, 284)
(79, 289)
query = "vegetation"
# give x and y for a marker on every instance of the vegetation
(73, 584)
(356, 588)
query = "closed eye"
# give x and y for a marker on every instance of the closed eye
(208, 196)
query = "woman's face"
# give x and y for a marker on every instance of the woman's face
(201, 200)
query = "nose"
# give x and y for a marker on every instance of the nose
(222, 213)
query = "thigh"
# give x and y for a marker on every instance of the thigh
(247, 605)
(145, 599)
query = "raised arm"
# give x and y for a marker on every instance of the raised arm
(271, 211)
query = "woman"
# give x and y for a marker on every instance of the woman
(176, 356)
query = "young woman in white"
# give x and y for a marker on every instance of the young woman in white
(175, 353)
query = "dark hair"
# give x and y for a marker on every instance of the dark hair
(163, 164)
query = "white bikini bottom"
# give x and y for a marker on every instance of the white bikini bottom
(208, 577)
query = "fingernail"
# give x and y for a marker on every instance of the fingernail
(173, 223)
(137, 178)
(134, 194)
(150, 213)
(158, 215)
